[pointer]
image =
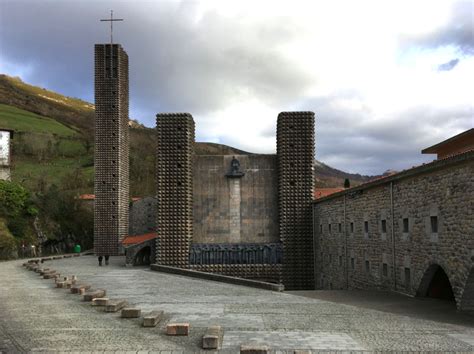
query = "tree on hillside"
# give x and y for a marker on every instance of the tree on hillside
(347, 183)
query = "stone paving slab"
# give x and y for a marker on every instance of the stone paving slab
(226, 321)
(292, 340)
(56, 320)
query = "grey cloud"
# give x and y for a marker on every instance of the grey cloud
(458, 31)
(176, 63)
(449, 65)
(359, 142)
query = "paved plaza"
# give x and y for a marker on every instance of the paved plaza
(36, 316)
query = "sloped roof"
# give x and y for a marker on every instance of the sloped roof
(136, 239)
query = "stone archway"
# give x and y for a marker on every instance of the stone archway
(435, 283)
(143, 256)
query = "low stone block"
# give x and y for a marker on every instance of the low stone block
(115, 305)
(177, 329)
(67, 255)
(100, 301)
(131, 312)
(75, 289)
(302, 352)
(58, 257)
(60, 284)
(49, 275)
(82, 291)
(76, 255)
(212, 339)
(254, 349)
(152, 319)
(92, 294)
(68, 284)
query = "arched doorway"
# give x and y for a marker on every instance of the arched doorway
(435, 284)
(143, 256)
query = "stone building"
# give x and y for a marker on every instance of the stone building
(411, 232)
(5, 153)
(111, 206)
(246, 215)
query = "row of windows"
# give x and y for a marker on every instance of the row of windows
(383, 226)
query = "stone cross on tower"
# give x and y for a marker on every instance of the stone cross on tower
(111, 20)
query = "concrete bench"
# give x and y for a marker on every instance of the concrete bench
(92, 294)
(254, 349)
(115, 305)
(131, 312)
(76, 288)
(177, 329)
(212, 339)
(152, 319)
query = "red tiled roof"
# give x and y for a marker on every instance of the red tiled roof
(324, 192)
(135, 239)
(87, 196)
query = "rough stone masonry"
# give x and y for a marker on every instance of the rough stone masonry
(111, 148)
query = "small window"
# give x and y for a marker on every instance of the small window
(320, 228)
(385, 269)
(352, 263)
(366, 227)
(405, 225)
(292, 183)
(329, 226)
(384, 226)
(367, 266)
(407, 278)
(339, 227)
(434, 224)
(352, 227)
(340, 261)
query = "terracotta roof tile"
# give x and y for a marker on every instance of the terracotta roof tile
(135, 239)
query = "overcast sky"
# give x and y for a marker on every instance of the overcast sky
(385, 79)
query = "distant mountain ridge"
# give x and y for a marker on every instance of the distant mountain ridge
(78, 115)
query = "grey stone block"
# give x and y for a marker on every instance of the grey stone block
(212, 339)
(115, 305)
(92, 294)
(152, 319)
(131, 312)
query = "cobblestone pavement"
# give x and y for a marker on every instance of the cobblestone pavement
(35, 316)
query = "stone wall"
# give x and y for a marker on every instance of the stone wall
(111, 158)
(392, 233)
(142, 216)
(235, 210)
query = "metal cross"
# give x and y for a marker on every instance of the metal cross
(111, 20)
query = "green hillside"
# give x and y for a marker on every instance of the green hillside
(21, 120)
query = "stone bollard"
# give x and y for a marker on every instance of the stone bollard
(92, 294)
(115, 305)
(100, 301)
(212, 339)
(177, 329)
(152, 319)
(254, 349)
(131, 312)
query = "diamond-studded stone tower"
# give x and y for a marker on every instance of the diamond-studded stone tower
(111, 148)
(295, 153)
(174, 178)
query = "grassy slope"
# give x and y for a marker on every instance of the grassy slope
(21, 120)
